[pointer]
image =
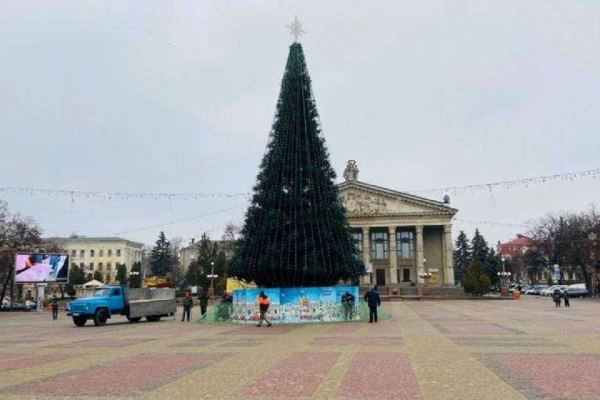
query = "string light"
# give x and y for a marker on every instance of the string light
(490, 223)
(168, 196)
(526, 182)
(73, 194)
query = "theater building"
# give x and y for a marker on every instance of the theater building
(401, 237)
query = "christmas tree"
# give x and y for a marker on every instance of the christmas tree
(462, 256)
(295, 231)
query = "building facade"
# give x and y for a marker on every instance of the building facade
(189, 254)
(403, 239)
(102, 254)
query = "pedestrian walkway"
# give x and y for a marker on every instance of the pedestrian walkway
(427, 350)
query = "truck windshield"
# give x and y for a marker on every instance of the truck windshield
(101, 292)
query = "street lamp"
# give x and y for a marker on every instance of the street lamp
(134, 275)
(425, 276)
(592, 238)
(212, 277)
(504, 276)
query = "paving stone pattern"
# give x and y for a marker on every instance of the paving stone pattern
(524, 349)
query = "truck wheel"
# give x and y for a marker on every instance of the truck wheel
(79, 321)
(134, 319)
(153, 318)
(100, 317)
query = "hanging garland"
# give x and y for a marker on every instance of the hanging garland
(72, 194)
(166, 196)
(525, 182)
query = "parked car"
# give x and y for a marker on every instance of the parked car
(525, 288)
(5, 302)
(578, 292)
(522, 287)
(577, 286)
(17, 306)
(551, 289)
(536, 290)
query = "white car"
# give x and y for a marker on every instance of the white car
(551, 289)
(578, 286)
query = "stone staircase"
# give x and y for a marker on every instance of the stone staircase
(447, 292)
(409, 291)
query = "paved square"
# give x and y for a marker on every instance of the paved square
(427, 350)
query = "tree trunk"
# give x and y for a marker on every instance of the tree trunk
(4, 286)
(586, 277)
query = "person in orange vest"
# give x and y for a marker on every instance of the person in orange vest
(263, 304)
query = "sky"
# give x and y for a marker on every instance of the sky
(179, 96)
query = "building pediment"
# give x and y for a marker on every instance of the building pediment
(361, 199)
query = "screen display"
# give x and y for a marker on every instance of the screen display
(41, 267)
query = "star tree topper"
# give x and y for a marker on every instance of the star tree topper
(296, 29)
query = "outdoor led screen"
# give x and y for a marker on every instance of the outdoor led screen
(41, 267)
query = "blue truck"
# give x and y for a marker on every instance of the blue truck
(110, 300)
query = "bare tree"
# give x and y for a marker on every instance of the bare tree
(232, 232)
(568, 239)
(17, 233)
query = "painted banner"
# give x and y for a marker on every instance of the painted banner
(298, 305)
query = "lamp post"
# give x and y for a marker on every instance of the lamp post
(504, 278)
(592, 238)
(425, 276)
(212, 277)
(134, 277)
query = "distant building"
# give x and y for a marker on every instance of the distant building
(190, 253)
(512, 248)
(102, 254)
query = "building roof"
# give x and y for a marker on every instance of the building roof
(223, 245)
(515, 244)
(85, 239)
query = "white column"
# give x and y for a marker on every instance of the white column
(448, 255)
(419, 254)
(41, 295)
(393, 256)
(367, 252)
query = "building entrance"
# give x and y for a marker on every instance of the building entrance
(381, 277)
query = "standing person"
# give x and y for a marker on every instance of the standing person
(348, 305)
(556, 297)
(188, 303)
(203, 299)
(373, 300)
(263, 304)
(54, 307)
(565, 294)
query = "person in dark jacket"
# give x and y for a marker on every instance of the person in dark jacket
(203, 299)
(263, 304)
(556, 297)
(565, 295)
(373, 300)
(348, 305)
(54, 307)
(188, 303)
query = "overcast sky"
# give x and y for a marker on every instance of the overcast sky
(179, 97)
